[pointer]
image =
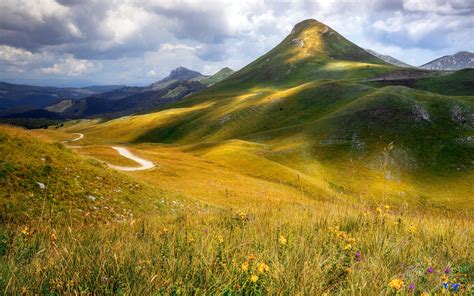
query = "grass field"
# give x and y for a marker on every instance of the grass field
(298, 175)
(204, 227)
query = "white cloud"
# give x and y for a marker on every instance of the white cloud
(137, 41)
(391, 24)
(71, 67)
(151, 73)
(11, 54)
(171, 47)
(126, 21)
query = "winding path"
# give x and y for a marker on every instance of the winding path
(79, 136)
(144, 164)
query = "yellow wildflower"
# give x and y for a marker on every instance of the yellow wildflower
(53, 236)
(351, 240)
(245, 266)
(396, 284)
(25, 231)
(220, 239)
(445, 278)
(282, 240)
(348, 270)
(387, 207)
(348, 247)
(412, 229)
(262, 267)
(425, 294)
(379, 210)
(251, 257)
(242, 215)
(254, 278)
(342, 234)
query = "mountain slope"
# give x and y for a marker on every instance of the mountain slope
(388, 59)
(458, 61)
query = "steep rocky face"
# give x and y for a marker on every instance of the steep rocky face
(458, 61)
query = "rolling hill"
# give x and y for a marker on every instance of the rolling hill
(312, 111)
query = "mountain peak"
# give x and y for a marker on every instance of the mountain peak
(182, 74)
(312, 39)
(312, 49)
(307, 24)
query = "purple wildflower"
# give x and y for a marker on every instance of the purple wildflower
(430, 270)
(358, 256)
(411, 286)
(447, 270)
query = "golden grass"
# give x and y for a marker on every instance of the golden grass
(219, 230)
(311, 44)
(282, 249)
(349, 65)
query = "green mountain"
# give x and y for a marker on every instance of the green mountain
(311, 51)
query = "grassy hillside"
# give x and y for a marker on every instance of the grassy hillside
(47, 180)
(328, 133)
(217, 231)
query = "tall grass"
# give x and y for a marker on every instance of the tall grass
(284, 249)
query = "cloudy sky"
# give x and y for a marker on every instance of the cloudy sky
(135, 42)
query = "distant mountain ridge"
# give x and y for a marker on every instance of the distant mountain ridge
(118, 101)
(16, 98)
(458, 61)
(388, 59)
(180, 83)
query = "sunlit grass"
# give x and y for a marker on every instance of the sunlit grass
(285, 249)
